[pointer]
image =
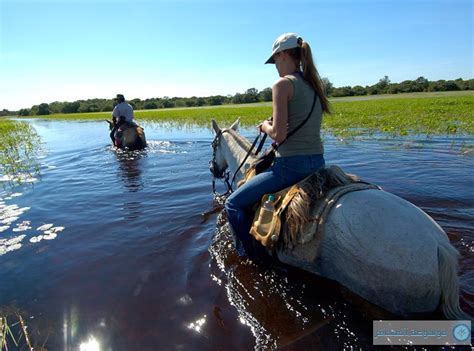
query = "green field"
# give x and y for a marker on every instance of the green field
(401, 114)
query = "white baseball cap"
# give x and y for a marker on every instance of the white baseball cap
(284, 42)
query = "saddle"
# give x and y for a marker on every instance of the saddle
(301, 209)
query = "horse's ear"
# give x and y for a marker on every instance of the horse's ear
(235, 125)
(215, 126)
(109, 122)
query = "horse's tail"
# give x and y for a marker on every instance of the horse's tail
(449, 282)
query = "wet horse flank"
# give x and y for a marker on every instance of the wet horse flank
(128, 136)
(375, 244)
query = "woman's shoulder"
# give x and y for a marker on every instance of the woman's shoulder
(283, 85)
(282, 81)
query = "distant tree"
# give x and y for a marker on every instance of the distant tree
(43, 109)
(422, 83)
(382, 85)
(407, 86)
(200, 101)
(70, 107)
(94, 108)
(328, 86)
(471, 84)
(84, 106)
(136, 104)
(237, 98)
(24, 112)
(216, 100)
(56, 107)
(393, 89)
(108, 106)
(265, 95)
(343, 91)
(190, 102)
(6, 112)
(359, 90)
(451, 86)
(250, 95)
(373, 90)
(442, 85)
(150, 105)
(167, 103)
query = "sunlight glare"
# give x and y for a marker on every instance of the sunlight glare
(90, 345)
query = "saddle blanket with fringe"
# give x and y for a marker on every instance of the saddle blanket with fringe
(301, 210)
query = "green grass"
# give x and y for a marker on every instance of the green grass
(403, 114)
(19, 146)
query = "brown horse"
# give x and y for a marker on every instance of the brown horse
(128, 136)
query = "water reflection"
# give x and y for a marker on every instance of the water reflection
(197, 325)
(130, 168)
(90, 345)
(278, 310)
(130, 164)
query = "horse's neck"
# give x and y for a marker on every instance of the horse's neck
(235, 152)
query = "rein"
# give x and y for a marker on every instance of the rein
(226, 175)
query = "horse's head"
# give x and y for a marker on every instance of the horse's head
(218, 164)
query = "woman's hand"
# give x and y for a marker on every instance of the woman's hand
(265, 126)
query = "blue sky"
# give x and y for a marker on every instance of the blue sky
(69, 50)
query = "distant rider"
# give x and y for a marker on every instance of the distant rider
(122, 113)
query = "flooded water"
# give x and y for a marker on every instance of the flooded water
(109, 250)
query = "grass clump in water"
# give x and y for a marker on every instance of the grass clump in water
(19, 148)
(14, 332)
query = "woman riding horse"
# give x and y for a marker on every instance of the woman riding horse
(299, 91)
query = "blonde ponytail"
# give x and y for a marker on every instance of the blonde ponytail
(310, 74)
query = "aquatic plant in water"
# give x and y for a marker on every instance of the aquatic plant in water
(14, 332)
(19, 148)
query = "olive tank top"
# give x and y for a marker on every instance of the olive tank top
(307, 140)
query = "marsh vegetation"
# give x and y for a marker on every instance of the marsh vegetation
(421, 113)
(19, 148)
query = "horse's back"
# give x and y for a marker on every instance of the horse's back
(133, 137)
(381, 247)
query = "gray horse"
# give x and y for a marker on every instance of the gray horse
(378, 245)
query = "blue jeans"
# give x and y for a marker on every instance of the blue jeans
(284, 172)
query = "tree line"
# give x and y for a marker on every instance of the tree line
(383, 86)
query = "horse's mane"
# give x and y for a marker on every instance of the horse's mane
(240, 140)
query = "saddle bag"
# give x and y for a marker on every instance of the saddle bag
(268, 234)
(264, 161)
